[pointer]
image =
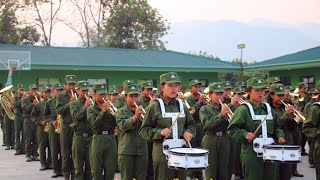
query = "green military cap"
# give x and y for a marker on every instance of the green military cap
(100, 88)
(227, 85)
(71, 79)
(33, 86)
(113, 91)
(256, 83)
(155, 91)
(83, 85)
(318, 84)
(290, 88)
(46, 88)
(277, 88)
(127, 82)
(113, 87)
(216, 87)
(170, 77)
(20, 86)
(313, 91)
(132, 89)
(238, 90)
(194, 82)
(302, 84)
(274, 79)
(147, 84)
(58, 86)
(240, 84)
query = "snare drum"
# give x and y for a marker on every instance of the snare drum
(188, 158)
(282, 153)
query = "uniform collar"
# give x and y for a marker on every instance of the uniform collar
(168, 102)
(256, 107)
(129, 111)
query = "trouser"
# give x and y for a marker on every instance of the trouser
(311, 142)
(19, 135)
(296, 141)
(44, 147)
(9, 131)
(150, 162)
(54, 139)
(160, 165)
(103, 157)
(133, 166)
(80, 155)
(3, 132)
(196, 142)
(285, 171)
(316, 157)
(303, 139)
(254, 167)
(237, 160)
(31, 143)
(66, 134)
(219, 150)
(232, 157)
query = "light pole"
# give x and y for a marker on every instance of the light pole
(241, 46)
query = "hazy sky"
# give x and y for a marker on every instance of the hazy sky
(284, 11)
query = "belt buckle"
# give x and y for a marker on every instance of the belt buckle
(219, 133)
(105, 132)
(85, 135)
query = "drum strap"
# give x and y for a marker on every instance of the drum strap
(260, 118)
(316, 103)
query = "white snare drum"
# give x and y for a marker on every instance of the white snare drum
(188, 158)
(282, 153)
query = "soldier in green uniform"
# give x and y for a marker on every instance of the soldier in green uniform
(227, 92)
(133, 151)
(196, 101)
(156, 125)
(286, 123)
(103, 152)
(54, 137)
(82, 132)
(9, 128)
(311, 128)
(63, 107)
(215, 122)
(245, 121)
(29, 127)
(18, 120)
(113, 94)
(40, 118)
(121, 100)
(314, 93)
(2, 127)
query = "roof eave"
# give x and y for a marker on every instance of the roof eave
(284, 66)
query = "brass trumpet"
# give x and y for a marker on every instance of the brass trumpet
(207, 97)
(296, 113)
(112, 108)
(91, 102)
(230, 113)
(74, 94)
(35, 96)
(191, 109)
(143, 110)
(241, 101)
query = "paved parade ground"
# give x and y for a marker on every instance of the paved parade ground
(16, 168)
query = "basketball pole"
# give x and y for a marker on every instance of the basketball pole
(9, 80)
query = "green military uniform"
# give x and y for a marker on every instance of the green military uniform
(9, 128)
(18, 123)
(54, 138)
(133, 151)
(38, 115)
(29, 127)
(227, 85)
(152, 125)
(241, 124)
(103, 155)
(63, 108)
(215, 138)
(2, 127)
(81, 137)
(121, 100)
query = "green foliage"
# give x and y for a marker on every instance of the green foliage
(28, 35)
(134, 24)
(8, 23)
(205, 54)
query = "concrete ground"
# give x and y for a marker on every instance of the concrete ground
(16, 168)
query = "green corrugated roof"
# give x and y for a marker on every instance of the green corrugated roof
(303, 59)
(45, 57)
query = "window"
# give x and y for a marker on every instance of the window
(285, 80)
(309, 80)
(47, 81)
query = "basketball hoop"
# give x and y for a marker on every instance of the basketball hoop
(14, 68)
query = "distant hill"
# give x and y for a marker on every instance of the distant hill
(264, 39)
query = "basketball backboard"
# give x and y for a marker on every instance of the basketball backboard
(16, 60)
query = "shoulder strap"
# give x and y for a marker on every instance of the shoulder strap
(316, 103)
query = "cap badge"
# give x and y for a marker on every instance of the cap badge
(173, 76)
(85, 84)
(71, 77)
(259, 81)
(281, 88)
(219, 86)
(102, 86)
(149, 83)
(133, 87)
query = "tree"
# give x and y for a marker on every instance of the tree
(206, 55)
(8, 23)
(28, 35)
(135, 24)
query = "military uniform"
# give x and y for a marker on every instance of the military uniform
(121, 100)
(133, 151)
(63, 108)
(215, 138)
(241, 124)
(103, 153)
(81, 137)
(9, 128)
(38, 115)
(154, 122)
(18, 123)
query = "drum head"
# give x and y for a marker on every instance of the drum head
(279, 146)
(189, 151)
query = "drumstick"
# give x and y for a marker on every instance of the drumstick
(175, 120)
(255, 132)
(189, 144)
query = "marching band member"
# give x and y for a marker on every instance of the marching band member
(82, 133)
(242, 127)
(133, 151)
(227, 92)
(215, 122)
(156, 127)
(113, 94)
(121, 100)
(103, 152)
(18, 121)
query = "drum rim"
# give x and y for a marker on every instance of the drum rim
(189, 154)
(189, 169)
(278, 146)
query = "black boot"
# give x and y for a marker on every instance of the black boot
(297, 174)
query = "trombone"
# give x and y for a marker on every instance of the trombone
(113, 109)
(91, 102)
(143, 110)
(296, 113)
(241, 101)
(230, 113)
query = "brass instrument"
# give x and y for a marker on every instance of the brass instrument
(230, 113)
(46, 127)
(6, 101)
(57, 128)
(241, 101)
(296, 113)
(91, 102)
(74, 94)
(298, 95)
(35, 96)
(191, 109)
(207, 97)
(144, 111)
(112, 108)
